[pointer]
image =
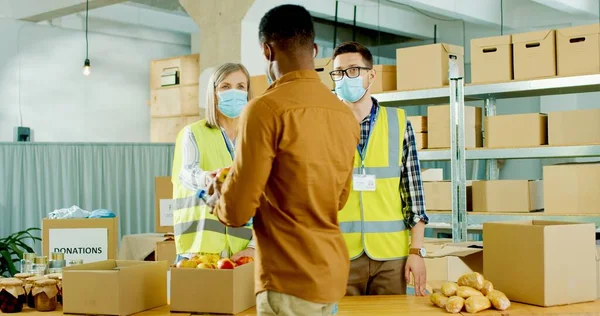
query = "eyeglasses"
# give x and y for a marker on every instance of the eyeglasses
(351, 72)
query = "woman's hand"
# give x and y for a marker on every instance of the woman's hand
(248, 252)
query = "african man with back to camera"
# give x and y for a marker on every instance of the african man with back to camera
(291, 178)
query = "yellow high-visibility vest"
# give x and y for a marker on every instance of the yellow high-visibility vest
(373, 221)
(196, 230)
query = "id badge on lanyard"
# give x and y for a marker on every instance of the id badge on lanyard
(363, 181)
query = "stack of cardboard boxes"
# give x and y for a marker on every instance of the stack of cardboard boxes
(174, 96)
(419, 127)
(540, 54)
(163, 215)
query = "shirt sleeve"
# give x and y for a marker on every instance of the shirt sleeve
(191, 176)
(255, 151)
(411, 187)
(346, 191)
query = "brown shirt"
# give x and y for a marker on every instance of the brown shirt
(292, 170)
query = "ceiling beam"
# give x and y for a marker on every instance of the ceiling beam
(483, 12)
(43, 10)
(584, 8)
(373, 15)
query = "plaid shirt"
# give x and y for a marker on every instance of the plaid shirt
(411, 187)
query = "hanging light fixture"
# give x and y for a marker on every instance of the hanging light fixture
(86, 64)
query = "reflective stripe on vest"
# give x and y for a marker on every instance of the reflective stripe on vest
(373, 222)
(195, 229)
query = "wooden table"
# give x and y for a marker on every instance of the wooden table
(400, 305)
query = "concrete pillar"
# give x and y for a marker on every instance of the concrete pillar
(219, 40)
(220, 23)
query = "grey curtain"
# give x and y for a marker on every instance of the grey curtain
(37, 178)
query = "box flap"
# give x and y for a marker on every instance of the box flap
(454, 49)
(491, 41)
(100, 265)
(454, 251)
(532, 36)
(583, 30)
(573, 164)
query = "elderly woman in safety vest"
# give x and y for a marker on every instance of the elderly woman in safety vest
(201, 149)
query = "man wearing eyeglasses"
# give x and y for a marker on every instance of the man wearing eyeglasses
(387, 200)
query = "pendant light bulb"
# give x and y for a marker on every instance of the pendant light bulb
(86, 68)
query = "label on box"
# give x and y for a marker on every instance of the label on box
(87, 244)
(166, 212)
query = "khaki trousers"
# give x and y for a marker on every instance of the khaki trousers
(269, 303)
(370, 277)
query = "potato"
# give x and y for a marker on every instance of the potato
(474, 280)
(476, 304)
(499, 300)
(487, 287)
(467, 291)
(439, 300)
(455, 304)
(449, 288)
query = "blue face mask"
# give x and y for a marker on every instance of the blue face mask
(350, 89)
(232, 102)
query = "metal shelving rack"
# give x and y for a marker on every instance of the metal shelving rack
(489, 93)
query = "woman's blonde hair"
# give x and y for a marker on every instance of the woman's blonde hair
(211, 91)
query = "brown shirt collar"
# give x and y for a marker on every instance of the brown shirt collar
(295, 75)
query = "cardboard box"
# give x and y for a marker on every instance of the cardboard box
(579, 127)
(534, 55)
(259, 84)
(508, 196)
(165, 251)
(541, 262)
(175, 101)
(423, 67)
(438, 126)
(447, 262)
(165, 129)
(385, 80)
(114, 287)
(163, 205)
(188, 67)
(421, 140)
(213, 291)
(572, 188)
(432, 174)
(492, 59)
(418, 123)
(324, 66)
(438, 195)
(518, 130)
(89, 239)
(578, 50)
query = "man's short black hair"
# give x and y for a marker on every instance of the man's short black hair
(354, 47)
(287, 26)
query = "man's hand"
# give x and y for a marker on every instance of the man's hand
(416, 265)
(248, 252)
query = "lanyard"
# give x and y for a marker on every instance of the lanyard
(228, 144)
(363, 152)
